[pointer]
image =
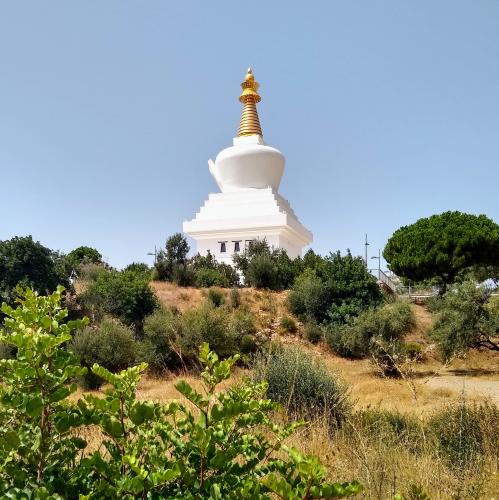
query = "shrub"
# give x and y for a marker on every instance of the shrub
(203, 324)
(157, 349)
(413, 351)
(125, 295)
(262, 272)
(234, 298)
(111, 345)
(288, 324)
(313, 333)
(215, 297)
(337, 289)
(206, 277)
(464, 321)
(463, 432)
(387, 324)
(308, 298)
(140, 269)
(90, 271)
(302, 385)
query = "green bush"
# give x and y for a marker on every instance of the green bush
(334, 291)
(313, 333)
(413, 351)
(140, 269)
(227, 447)
(386, 325)
(308, 298)
(288, 324)
(215, 297)
(90, 271)
(463, 433)
(203, 324)
(464, 321)
(302, 384)
(234, 298)
(161, 330)
(111, 345)
(125, 295)
(262, 272)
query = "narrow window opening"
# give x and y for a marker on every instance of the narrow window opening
(223, 247)
(237, 246)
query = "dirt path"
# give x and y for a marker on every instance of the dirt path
(473, 387)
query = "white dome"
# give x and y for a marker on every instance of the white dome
(249, 163)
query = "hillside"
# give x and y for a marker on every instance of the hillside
(432, 385)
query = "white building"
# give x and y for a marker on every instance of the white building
(249, 206)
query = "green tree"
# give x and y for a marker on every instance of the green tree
(442, 246)
(27, 262)
(83, 254)
(171, 263)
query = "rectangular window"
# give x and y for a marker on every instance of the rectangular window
(247, 243)
(237, 246)
(223, 246)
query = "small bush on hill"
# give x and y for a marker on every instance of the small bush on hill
(464, 321)
(262, 272)
(337, 289)
(215, 297)
(208, 272)
(302, 384)
(125, 295)
(234, 298)
(313, 333)
(203, 324)
(288, 324)
(263, 267)
(158, 346)
(386, 325)
(309, 297)
(111, 345)
(90, 271)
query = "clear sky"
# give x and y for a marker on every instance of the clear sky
(386, 111)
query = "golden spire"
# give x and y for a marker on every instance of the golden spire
(249, 124)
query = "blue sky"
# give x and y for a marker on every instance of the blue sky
(386, 111)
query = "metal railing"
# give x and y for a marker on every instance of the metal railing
(384, 280)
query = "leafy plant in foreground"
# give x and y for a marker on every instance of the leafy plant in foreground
(37, 449)
(225, 448)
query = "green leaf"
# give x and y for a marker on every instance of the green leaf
(193, 396)
(34, 407)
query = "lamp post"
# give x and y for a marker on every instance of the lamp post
(366, 245)
(379, 262)
(155, 254)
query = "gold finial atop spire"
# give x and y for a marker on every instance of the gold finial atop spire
(250, 123)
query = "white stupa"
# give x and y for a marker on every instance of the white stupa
(249, 206)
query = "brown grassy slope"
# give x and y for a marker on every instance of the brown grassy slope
(432, 386)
